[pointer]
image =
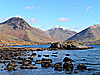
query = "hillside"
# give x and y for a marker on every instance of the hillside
(17, 29)
(88, 35)
(59, 33)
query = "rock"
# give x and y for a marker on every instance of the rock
(33, 54)
(46, 55)
(75, 72)
(67, 54)
(10, 68)
(31, 58)
(68, 66)
(67, 59)
(45, 64)
(81, 67)
(68, 72)
(39, 55)
(20, 62)
(46, 60)
(38, 62)
(51, 65)
(54, 55)
(58, 66)
(4, 61)
(69, 45)
(27, 67)
(14, 68)
(13, 60)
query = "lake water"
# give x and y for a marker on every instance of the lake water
(91, 56)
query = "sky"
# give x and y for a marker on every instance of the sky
(75, 15)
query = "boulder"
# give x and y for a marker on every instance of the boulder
(81, 67)
(68, 66)
(69, 45)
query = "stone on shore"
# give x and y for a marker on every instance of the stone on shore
(69, 45)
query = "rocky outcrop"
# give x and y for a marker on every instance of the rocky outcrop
(69, 45)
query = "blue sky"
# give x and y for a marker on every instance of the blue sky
(75, 15)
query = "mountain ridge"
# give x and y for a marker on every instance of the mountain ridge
(58, 33)
(88, 35)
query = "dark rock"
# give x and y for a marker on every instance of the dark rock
(14, 68)
(46, 60)
(58, 66)
(33, 54)
(75, 72)
(38, 62)
(66, 59)
(13, 60)
(31, 58)
(67, 54)
(83, 59)
(10, 68)
(81, 67)
(46, 55)
(51, 65)
(68, 66)
(39, 55)
(68, 73)
(28, 67)
(45, 64)
(54, 55)
(20, 62)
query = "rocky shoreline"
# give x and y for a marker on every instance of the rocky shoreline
(14, 60)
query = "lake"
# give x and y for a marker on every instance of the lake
(91, 56)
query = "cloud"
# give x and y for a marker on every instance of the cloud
(88, 8)
(77, 27)
(28, 7)
(32, 20)
(2, 19)
(64, 19)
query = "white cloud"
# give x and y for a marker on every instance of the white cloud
(2, 19)
(88, 8)
(64, 19)
(28, 7)
(32, 20)
(77, 27)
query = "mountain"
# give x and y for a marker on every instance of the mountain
(58, 33)
(17, 29)
(88, 35)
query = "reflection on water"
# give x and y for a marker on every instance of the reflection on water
(91, 56)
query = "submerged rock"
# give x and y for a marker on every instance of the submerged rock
(81, 67)
(69, 45)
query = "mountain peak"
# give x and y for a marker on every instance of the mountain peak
(95, 26)
(58, 27)
(17, 23)
(17, 16)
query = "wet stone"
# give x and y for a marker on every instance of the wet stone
(58, 66)
(38, 61)
(75, 72)
(67, 59)
(39, 55)
(67, 54)
(81, 67)
(20, 62)
(14, 68)
(68, 72)
(68, 66)
(46, 55)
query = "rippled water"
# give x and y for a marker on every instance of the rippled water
(91, 56)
